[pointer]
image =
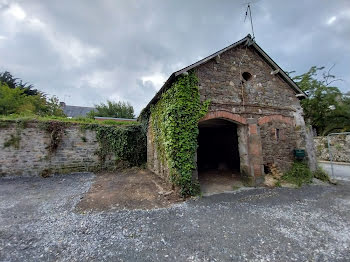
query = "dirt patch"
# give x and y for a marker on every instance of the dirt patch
(214, 181)
(128, 189)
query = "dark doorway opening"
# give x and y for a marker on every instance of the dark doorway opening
(218, 155)
(218, 146)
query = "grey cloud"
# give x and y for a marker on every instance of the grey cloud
(136, 39)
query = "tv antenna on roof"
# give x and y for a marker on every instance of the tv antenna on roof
(249, 12)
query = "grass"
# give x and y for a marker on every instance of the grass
(321, 175)
(299, 174)
(77, 120)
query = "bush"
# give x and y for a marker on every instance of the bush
(127, 143)
(113, 109)
(16, 101)
(299, 174)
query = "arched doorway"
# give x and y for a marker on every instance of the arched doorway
(218, 156)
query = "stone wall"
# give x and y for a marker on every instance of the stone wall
(261, 106)
(278, 141)
(31, 157)
(265, 98)
(220, 81)
(340, 147)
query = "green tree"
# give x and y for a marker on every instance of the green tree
(52, 107)
(12, 82)
(10, 99)
(339, 120)
(326, 108)
(16, 101)
(113, 109)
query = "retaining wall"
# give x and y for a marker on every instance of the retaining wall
(340, 147)
(25, 150)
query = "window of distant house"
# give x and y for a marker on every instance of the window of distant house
(246, 76)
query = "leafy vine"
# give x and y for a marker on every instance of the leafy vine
(56, 130)
(174, 121)
(127, 143)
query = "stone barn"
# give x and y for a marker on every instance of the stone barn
(254, 117)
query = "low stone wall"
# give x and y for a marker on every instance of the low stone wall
(25, 150)
(340, 147)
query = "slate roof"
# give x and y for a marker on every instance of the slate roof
(246, 41)
(75, 111)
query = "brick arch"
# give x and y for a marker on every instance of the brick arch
(266, 119)
(224, 115)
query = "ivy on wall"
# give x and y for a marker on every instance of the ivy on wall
(127, 143)
(56, 130)
(174, 121)
(15, 138)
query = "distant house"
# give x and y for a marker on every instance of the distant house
(75, 111)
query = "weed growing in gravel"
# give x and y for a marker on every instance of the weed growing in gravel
(320, 174)
(299, 174)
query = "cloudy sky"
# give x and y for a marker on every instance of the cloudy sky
(87, 51)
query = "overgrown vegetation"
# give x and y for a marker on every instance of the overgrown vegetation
(113, 109)
(174, 120)
(78, 120)
(16, 101)
(299, 174)
(125, 140)
(326, 108)
(15, 138)
(320, 174)
(127, 143)
(56, 131)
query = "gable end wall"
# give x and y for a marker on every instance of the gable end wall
(265, 97)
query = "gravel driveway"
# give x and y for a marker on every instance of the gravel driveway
(39, 222)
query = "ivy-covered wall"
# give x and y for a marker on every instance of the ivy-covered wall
(172, 133)
(41, 148)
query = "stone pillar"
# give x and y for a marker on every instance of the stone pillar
(242, 133)
(255, 151)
